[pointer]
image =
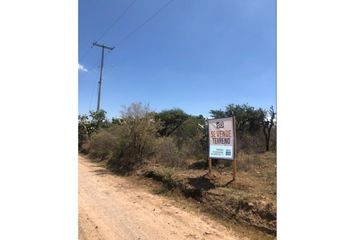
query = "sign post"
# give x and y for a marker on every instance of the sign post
(209, 165)
(234, 160)
(222, 141)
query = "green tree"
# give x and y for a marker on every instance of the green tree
(117, 121)
(188, 131)
(171, 120)
(249, 125)
(248, 119)
(191, 134)
(88, 125)
(83, 130)
(99, 119)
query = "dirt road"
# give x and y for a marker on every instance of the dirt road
(111, 207)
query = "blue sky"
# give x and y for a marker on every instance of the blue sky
(195, 55)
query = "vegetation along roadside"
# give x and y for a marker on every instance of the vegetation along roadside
(171, 147)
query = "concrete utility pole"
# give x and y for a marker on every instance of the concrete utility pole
(103, 47)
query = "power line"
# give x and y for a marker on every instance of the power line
(135, 30)
(116, 20)
(123, 39)
(110, 27)
(145, 22)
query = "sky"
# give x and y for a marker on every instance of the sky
(196, 55)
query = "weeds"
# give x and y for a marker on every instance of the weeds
(167, 173)
(101, 145)
(247, 162)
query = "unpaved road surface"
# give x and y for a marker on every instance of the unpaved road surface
(112, 207)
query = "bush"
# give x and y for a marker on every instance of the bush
(83, 133)
(246, 162)
(251, 143)
(193, 148)
(85, 148)
(135, 137)
(88, 125)
(167, 153)
(167, 174)
(102, 145)
(191, 137)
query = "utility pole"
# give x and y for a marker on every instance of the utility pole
(103, 47)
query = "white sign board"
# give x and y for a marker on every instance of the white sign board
(221, 138)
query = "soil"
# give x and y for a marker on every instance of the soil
(251, 200)
(112, 207)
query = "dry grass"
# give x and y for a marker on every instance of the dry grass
(258, 172)
(254, 191)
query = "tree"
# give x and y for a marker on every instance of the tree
(248, 119)
(191, 134)
(219, 114)
(83, 130)
(268, 123)
(89, 124)
(171, 120)
(117, 121)
(250, 124)
(98, 119)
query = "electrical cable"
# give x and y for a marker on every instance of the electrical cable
(110, 27)
(144, 23)
(116, 21)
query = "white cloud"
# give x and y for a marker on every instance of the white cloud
(82, 68)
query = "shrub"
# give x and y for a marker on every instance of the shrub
(85, 147)
(193, 148)
(167, 177)
(102, 145)
(191, 137)
(82, 131)
(246, 162)
(88, 125)
(167, 174)
(135, 137)
(167, 153)
(251, 143)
